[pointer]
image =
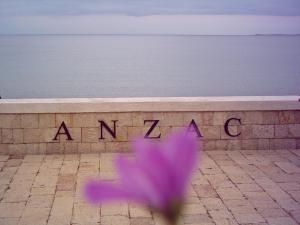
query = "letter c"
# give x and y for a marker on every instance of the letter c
(226, 127)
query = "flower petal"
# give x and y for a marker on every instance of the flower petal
(181, 151)
(98, 192)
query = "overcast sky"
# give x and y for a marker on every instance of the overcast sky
(150, 16)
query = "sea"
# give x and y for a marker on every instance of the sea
(71, 66)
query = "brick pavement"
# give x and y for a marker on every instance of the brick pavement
(230, 187)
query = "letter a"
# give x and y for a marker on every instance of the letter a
(65, 132)
(194, 128)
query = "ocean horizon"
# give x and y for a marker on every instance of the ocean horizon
(156, 65)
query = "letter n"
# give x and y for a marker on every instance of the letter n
(194, 128)
(112, 132)
(64, 132)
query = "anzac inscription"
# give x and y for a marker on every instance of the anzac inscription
(112, 131)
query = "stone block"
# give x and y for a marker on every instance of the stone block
(298, 143)
(52, 148)
(207, 118)
(11, 209)
(29, 121)
(165, 131)
(264, 144)
(270, 117)
(46, 120)
(32, 135)
(219, 118)
(124, 119)
(250, 144)
(228, 145)
(63, 117)
(18, 136)
(84, 147)
(7, 136)
(211, 132)
(282, 143)
(246, 131)
(32, 149)
(263, 131)
(120, 209)
(136, 132)
(281, 131)
(70, 147)
(294, 130)
(117, 146)
(42, 148)
(297, 116)
(90, 135)
(47, 135)
(4, 149)
(286, 117)
(253, 117)
(85, 120)
(172, 119)
(10, 121)
(16, 149)
(98, 147)
(189, 116)
(209, 144)
(111, 220)
(138, 118)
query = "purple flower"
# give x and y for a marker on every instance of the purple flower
(158, 176)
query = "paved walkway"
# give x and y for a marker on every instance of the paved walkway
(233, 187)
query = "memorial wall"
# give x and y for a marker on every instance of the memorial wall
(48, 126)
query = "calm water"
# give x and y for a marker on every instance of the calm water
(125, 66)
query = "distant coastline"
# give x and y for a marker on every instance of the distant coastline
(149, 34)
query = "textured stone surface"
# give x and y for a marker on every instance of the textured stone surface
(233, 187)
(33, 133)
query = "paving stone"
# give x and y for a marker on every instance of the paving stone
(85, 214)
(229, 193)
(194, 209)
(296, 215)
(34, 216)
(9, 221)
(245, 218)
(288, 167)
(40, 201)
(289, 186)
(240, 187)
(66, 182)
(281, 221)
(196, 218)
(220, 214)
(112, 220)
(138, 211)
(11, 209)
(120, 209)
(213, 203)
(141, 221)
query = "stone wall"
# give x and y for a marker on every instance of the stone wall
(31, 126)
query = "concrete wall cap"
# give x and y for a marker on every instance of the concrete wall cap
(155, 104)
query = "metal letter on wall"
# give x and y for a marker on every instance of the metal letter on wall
(154, 123)
(65, 132)
(113, 132)
(226, 127)
(194, 128)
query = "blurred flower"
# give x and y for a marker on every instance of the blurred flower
(158, 177)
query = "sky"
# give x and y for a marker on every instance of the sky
(150, 17)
